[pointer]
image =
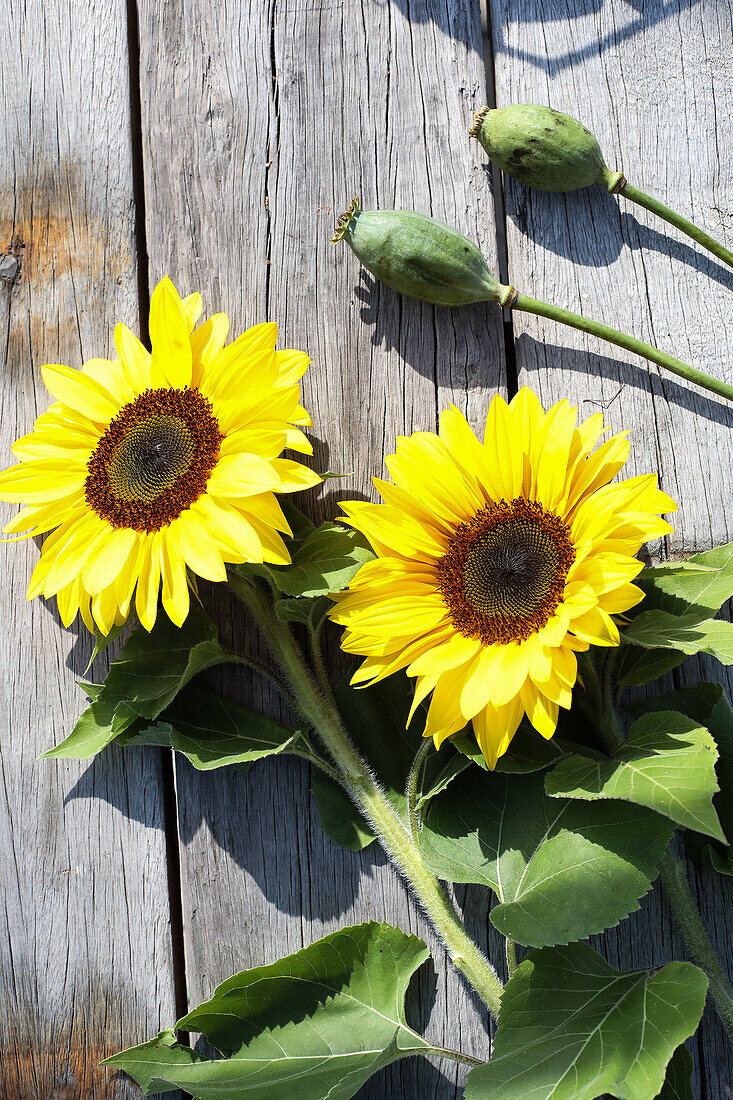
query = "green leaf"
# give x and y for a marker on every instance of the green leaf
(145, 678)
(213, 731)
(328, 559)
(528, 752)
(375, 718)
(639, 666)
(309, 610)
(687, 633)
(144, 1063)
(709, 705)
(571, 1028)
(561, 871)
(101, 641)
(317, 1023)
(667, 763)
(678, 1081)
(703, 582)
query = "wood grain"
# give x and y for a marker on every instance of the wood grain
(290, 109)
(85, 945)
(655, 84)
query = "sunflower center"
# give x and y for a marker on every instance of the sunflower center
(153, 454)
(154, 460)
(504, 573)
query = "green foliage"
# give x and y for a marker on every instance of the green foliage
(150, 671)
(709, 705)
(528, 752)
(678, 1080)
(317, 1023)
(667, 763)
(375, 718)
(309, 611)
(561, 871)
(703, 582)
(571, 1028)
(213, 731)
(324, 559)
(684, 633)
(638, 666)
(693, 590)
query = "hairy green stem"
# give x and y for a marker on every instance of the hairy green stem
(510, 299)
(675, 219)
(411, 790)
(598, 701)
(320, 664)
(677, 888)
(511, 956)
(366, 792)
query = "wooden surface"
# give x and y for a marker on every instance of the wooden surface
(85, 934)
(258, 122)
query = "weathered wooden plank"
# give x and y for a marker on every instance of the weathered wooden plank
(655, 84)
(262, 121)
(85, 942)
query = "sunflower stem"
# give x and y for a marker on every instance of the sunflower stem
(414, 817)
(510, 299)
(511, 957)
(320, 664)
(677, 888)
(359, 782)
(675, 219)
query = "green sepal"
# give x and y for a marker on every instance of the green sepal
(572, 1028)
(317, 1023)
(150, 671)
(561, 871)
(667, 763)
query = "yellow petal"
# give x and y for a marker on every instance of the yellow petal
(134, 357)
(495, 727)
(193, 305)
(171, 356)
(241, 476)
(148, 585)
(106, 564)
(176, 601)
(196, 547)
(80, 391)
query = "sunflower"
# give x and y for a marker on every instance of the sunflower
(157, 463)
(496, 563)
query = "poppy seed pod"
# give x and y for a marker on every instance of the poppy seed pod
(417, 256)
(543, 148)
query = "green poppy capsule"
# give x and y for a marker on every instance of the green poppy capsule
(417, 255)
(543, 148)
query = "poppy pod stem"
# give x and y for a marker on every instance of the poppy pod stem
(359, 782)
(551, 151)
(422, 258)
(675, 219)
(512, 299)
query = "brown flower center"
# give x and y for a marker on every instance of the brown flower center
(154, 460)
(504, 573)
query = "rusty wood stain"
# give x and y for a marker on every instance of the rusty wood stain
(52, 231)
(61, 1073)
